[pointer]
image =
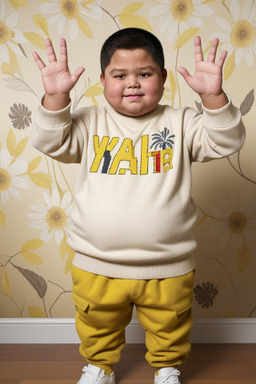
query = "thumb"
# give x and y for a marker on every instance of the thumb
(78, 72)
(186, 75)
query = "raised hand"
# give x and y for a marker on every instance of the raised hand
(57, 79)
(207, 79)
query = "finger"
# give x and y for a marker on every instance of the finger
(63, 50)
(222, 59)
(213, 50)
(186, 75)
(50, 51)
(78, 72)
(38, 60)
(198, 50)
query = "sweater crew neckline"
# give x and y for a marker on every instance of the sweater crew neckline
(133, 121)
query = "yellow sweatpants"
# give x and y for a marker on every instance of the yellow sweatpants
(104, 309)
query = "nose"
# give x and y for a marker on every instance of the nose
(133, 83)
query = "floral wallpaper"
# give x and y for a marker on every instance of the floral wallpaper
(36, 192)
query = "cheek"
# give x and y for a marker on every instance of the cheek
(155, 88)
(155, 93)
(113, 90)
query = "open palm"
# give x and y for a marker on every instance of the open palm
(56, 76)
(207, 79)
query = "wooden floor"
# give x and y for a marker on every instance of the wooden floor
(62, 364)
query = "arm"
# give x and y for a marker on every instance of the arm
(54, 132)
(59, 134)
(207, 79)
(56, 77)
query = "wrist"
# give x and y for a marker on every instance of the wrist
(56, 102)
(214, 101)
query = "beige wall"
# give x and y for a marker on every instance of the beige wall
(36, 192)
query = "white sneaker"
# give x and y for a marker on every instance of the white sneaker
(167, 375)
(95, 375)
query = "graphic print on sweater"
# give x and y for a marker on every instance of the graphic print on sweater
(115, 156)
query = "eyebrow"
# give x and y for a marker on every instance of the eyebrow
(141, 69)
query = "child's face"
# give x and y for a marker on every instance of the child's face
(133, 83)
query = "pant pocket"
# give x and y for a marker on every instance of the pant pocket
(183, 305)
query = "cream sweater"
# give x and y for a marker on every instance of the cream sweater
(133, 215)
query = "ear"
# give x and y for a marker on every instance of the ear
(102, 79)
(164, 75)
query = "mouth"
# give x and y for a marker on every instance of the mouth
(133, 96)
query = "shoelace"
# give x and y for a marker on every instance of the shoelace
(88, 377)
(171, 378)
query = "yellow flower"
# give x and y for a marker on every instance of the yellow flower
(236, 220)
(11, 176)
(176, 16)
(10, 37)
(52, 216)
(70, 12)
(239, 36)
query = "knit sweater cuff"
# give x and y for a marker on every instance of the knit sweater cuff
(222, 117)
(46, 118)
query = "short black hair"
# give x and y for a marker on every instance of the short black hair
(131, 38)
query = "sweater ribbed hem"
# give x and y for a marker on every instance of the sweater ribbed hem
(164, 270)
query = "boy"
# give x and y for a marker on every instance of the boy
(133, 215)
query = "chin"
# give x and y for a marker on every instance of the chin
(132, 114)
(135, 113)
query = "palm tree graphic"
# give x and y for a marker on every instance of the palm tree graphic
(162, 140)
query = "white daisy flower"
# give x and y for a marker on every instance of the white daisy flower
(11, 176)
(52, 216)
(10, 37)
(236, 220)
(176, 16)
(239, 35)
(69, 12)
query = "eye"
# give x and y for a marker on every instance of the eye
(120, 77)
(145, 74)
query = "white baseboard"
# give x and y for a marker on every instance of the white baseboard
(62, 331)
